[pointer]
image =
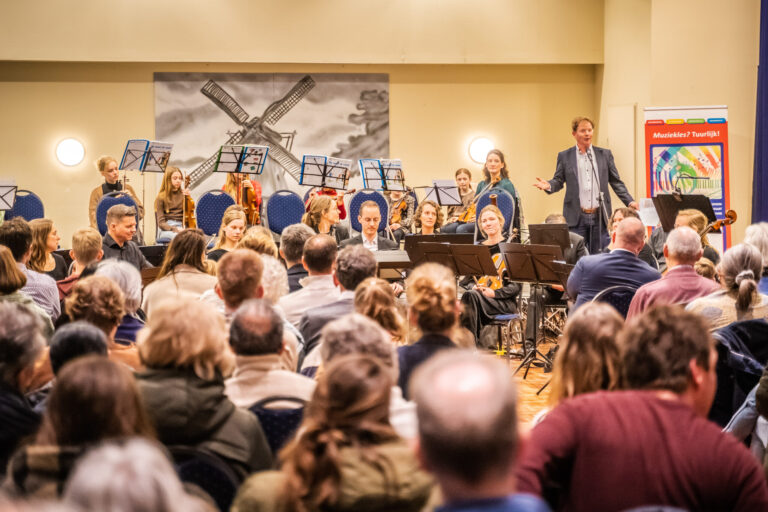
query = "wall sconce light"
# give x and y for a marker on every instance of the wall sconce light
(70, 152)
(479, 148)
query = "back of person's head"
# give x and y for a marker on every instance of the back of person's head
(186, 334)
(259, 239)
(659, 345)
(292, 241)
(97, 300)
(555, 218)
(11, 278)
(695, 220)
(75, 340)
(274, 279)
(86, 245)
(93, 399)
(318, 206)
(16, 235)
(466, 406)
(625, 213)
(349, 408)
(375, 299)
(684, 245)
(705, 268)
(256, 329)
(354, 264)
(589, 358)
(357, 334)
(41, 228)
(740, 270)
(118, 212)
(431, 290)
(319, 254)
(21, 342)
(757, 235)
(130, 476)
(186, 248)
(630, 234)
(128, 279)
(239, 276)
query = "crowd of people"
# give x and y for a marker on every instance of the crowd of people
(110, 387)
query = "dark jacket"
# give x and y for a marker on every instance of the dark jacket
(411, 356)
(313, 320)
(295, 274)
(189, 411)
(17, 421)
(129, 252)
(385, 244)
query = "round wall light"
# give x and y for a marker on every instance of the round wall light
(479, 148)
(70, 152)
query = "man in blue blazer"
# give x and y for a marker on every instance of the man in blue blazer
(593, 274)
(576, 169)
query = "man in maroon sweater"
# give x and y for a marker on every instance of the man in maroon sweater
(649, 446)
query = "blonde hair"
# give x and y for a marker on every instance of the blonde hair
(431, 291)
(317, 207)
(697, 221)
(103, 162)
(420, 209)
(166, 188)
(232, 213)
(186, 333)
(496, 211)
(41, 228)
(259, 239)
(375, 299)
(86, 244)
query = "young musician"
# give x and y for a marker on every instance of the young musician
(230, 232)
(456, 214)
(428, 218)
(107, 166)
(492, 295)
(169, 205)
(330, 192)
(401, 207)
(323, 217)
(239, 186)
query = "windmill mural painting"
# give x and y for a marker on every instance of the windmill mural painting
(344, 115)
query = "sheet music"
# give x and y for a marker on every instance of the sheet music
(370, 168)
(134, 155)
(325, 171)
(229, 158)
(392, 174)
(8, 189)
(444, 193)
(158, 155)
(648, 213)
(254, 158)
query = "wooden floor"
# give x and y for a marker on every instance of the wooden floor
(529, 403)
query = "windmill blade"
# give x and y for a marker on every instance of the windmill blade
(285, 159)
(225, 102)
(282, 106)
(205, 169)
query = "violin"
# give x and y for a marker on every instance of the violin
(730, 218)
(397, 211)
(188, 207)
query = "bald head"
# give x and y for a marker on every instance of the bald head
(629, 235)
(466, 407)
(683, 247)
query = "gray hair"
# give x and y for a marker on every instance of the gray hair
(127, 277)
(740, 269)
(274, 279)
(466, 404)
(293, 239)
(21, 341)
(134, 475)
(256, 329)
(118, 212)
(757, 235)
(631, 232)
(357, 334)
(355, 264)
(684, 244)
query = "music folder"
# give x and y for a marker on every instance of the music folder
(533, 263)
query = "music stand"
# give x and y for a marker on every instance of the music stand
(241, 158)
(413, 242)
(146, 156)
(325, 172)
(550, 234)
(436, 252)
(667, 206)
(473, 260)
(382, 174)
(443, 192)
(8, 191)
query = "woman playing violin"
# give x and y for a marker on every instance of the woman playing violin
(459, 215)
(169, 205)
(333, 193)
(401, 207)
(246, 193)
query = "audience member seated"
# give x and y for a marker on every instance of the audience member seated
(45, 240)
(428, 219)
(698, 222)
(127, 477)
(274, 280)
(12, 281)
(323, 218)
(646, 253)
(740, 269)
(757, 235)
(318, 287)
(230, 232)
(431, 290)
(353, 265)
(346, 456)
(99, 301)
(21, 344)
(468, 433)
(291, 249)
(238, 278)
(16, 235)
(370, 218)
(256, 338)
(706, 269)
(118, 243)
(128, 279)
(375, 299)
(185, 351)
(259, 239)
(183, 272)
(651, 445)
(597, 272)
(680, 284)
(93, 400)
(86, 249)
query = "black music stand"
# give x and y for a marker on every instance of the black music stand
(146, 156)
(667, 206)
(382, 174)
(413, 242)
(8, 191)
(437, 252)
(443, 192)
(550, 234)
(325, 172)
(241, 158)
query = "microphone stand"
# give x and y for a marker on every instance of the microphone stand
(600, 198)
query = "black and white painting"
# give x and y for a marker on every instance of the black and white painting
(334, 114)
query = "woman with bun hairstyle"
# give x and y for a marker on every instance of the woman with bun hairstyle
(375, 299)
(323, 217)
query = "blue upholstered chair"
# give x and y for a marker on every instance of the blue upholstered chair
(106, 202)
(361, 196)
(279, 424)
(28, 206)
(504, 201)
(619, 297)
(284, 208)
(207, 471)
(210, 209)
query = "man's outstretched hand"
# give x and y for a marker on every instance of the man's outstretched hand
(542, 184)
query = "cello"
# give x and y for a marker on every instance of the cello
(188, 207)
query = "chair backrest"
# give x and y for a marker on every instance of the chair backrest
(106, 202)
(210, 209)
(284, 208)
(619, 297)
(207, 471)
(279, 425)
(415, 199)
(28, 206)
(306, 194)
(505, 203)
(361, 196)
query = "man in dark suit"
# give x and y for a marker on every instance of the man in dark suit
(370, 218)
(353, 265)
(595, 273)
(576, 169)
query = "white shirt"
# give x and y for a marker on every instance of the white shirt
(371, 246)
(589, 188)
(315, 291)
